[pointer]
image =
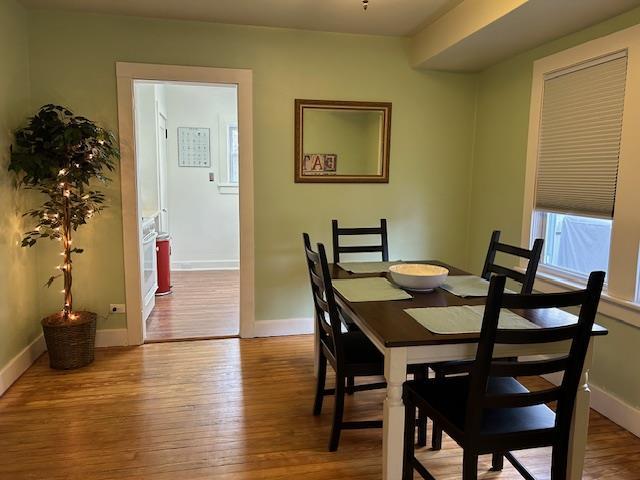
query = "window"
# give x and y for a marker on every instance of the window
(232, 154)
(575, 244)
(578, 154)
(582, 173)
(228, 165)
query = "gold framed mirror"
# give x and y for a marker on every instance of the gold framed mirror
(342, 141)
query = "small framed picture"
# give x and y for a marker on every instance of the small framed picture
(193, 147)
(319, 164)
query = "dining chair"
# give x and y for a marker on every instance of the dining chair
(383, 248)
(346, 321)
(489, 411)
(350, 353)
(338, 232)
(526, 278)
(491, 268)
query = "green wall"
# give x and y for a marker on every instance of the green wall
(18, 287)
(457, 157)
(497, 194)
(426, 201)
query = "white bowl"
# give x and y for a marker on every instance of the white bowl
(418, 276)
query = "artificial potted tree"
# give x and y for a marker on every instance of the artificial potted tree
(63, 156)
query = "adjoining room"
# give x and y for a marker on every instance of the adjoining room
(187, 156)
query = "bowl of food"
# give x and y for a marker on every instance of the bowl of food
(421, 277)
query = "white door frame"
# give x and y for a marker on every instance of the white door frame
(163, 222)
(126, 74)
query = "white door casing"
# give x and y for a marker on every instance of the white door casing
(126, 74)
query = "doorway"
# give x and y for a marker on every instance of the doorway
(196, 187)
(187, 146)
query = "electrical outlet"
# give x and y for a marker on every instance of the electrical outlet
(117, 308)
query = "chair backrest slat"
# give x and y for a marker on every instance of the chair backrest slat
(485, 366)
(382, 247)
(546, 300)
(362, 249)
(543, 335)
(527, 278)
(509, 272)
(329, 326)
(317, 280)
(528, 368)
(513, 250)
(321, 303)
(522, 399)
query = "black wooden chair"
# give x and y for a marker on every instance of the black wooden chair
(526, 279)
(347, 322)
(338, 232)
(383, 248)
(350, 353)
(489, 411)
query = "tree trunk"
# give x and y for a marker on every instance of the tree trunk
(66, 240)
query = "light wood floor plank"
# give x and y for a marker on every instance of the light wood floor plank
(203, 304)
(226, 409)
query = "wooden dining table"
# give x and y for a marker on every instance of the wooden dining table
(403, 341)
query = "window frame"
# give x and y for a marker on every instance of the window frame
(225, 185)
(621, 290)
(538, 228)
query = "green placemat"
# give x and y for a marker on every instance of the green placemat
(367, 267)
(375, 289)
(467, 286)
(464, 319)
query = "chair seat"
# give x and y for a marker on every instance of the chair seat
(447, 398)
(361, 355)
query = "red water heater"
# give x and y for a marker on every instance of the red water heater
(163, 252)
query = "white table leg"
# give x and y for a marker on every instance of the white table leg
(395, 372)
(580, 422)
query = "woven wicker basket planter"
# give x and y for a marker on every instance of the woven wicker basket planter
(70, 345)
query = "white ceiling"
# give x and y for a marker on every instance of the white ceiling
(530, 25)
(383, 17)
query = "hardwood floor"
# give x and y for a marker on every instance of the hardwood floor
(220, 409)
(203, 304)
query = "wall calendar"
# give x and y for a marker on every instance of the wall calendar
(193, 147)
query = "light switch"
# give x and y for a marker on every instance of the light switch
(211, 177)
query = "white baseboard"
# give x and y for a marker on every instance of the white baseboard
(21, 362)
(205, 265)
(612, 407)
(116, 337)
(277, 328)
(615, 409)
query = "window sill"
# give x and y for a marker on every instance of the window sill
(228, 189)
(617, 308)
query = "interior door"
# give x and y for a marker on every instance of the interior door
(162, 176)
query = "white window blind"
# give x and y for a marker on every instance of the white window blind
(579, 144)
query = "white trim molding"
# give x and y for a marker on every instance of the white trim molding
(607, 404)
(112, 337)
(187, 265)
(610, 306)
(126, 74)
(288, 326)
(623, 263)
(21, 362)
(29, 354)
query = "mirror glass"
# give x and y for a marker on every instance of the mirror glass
(341, 141)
